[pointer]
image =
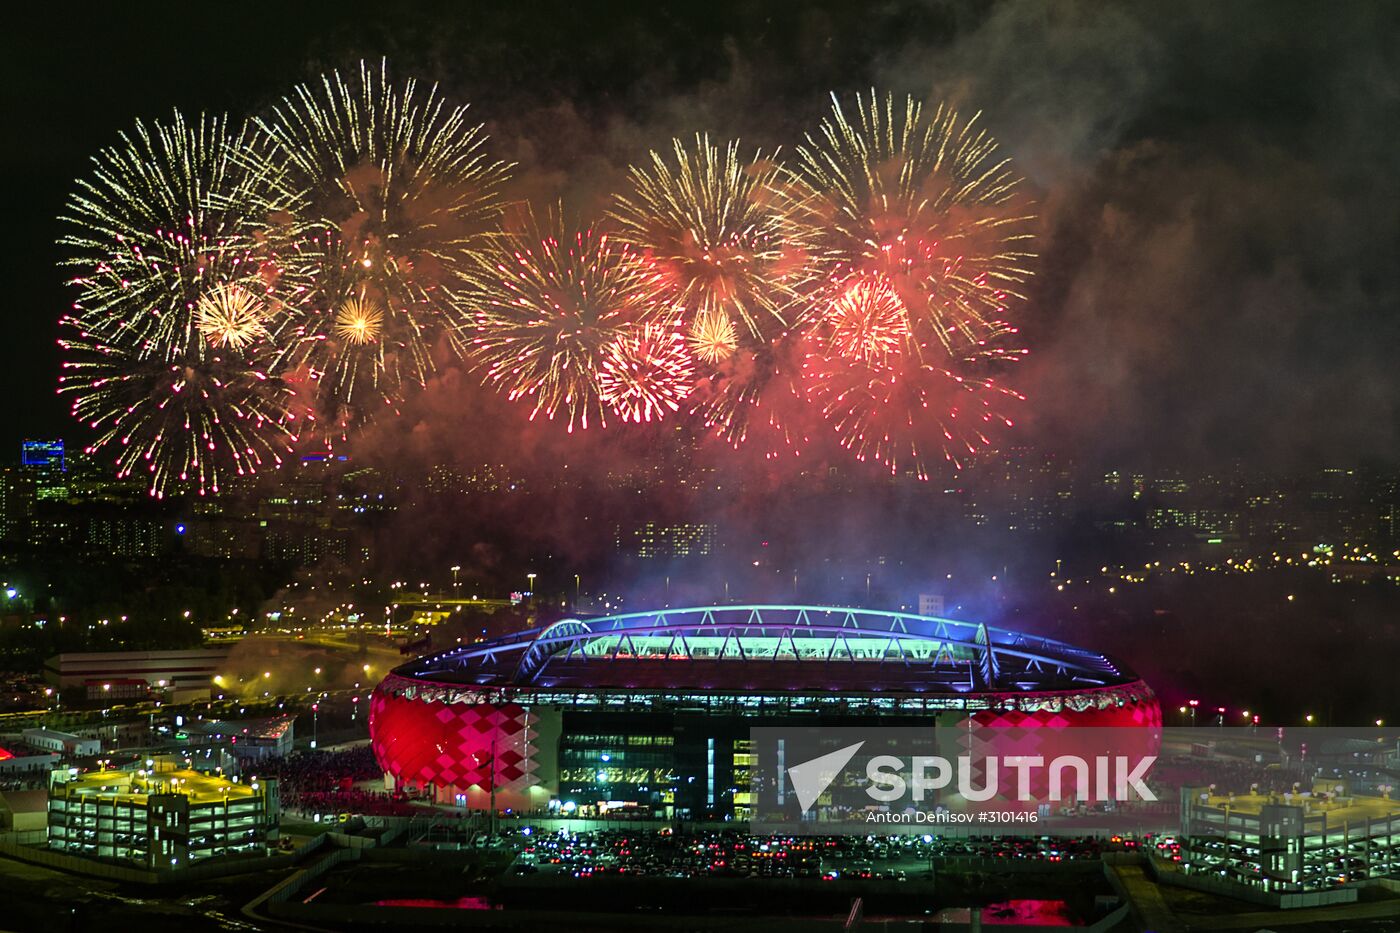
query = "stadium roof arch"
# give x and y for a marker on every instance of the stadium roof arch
(772, 647)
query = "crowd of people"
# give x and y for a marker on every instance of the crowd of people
(1225, 775)
(28, 780)
(354, 801)
(327, 784)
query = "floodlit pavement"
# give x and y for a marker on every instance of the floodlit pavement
(1147, 900)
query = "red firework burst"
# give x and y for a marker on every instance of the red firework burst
(647, 372)
(900, 410)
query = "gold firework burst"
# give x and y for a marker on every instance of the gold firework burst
(230, 316)
(359, 321)
(726, 232)
(712, 336)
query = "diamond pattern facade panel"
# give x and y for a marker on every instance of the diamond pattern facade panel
(462, 745)
(1057, 729)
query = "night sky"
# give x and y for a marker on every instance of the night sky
(1218, 182)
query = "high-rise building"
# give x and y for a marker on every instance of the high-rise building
(123, 534)
(44, 460)
(44, 455)
(659, 540)
(17, 496)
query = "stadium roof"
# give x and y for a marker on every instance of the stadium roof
(772, 647)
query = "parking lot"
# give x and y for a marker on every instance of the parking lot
(744, 855)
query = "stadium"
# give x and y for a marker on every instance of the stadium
(650, 712)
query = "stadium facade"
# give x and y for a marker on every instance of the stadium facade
(651, 711)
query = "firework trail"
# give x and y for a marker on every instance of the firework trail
(175, 281)
(399, 193)
(757, 397)
(753, 390)
(557, 309)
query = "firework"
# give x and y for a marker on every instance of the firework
(646, 372)
(901, 411)
(556, 308)
(756, 397)
(930, 242)
(398, 192)
(713, 338)
(347, 356)
(331, 253)
(166, 229)
(866, 322)
(230, 317)
(190, 419)
(359, 321)
(733, 243)
(175, 280)
(727, 235)
(927, 203)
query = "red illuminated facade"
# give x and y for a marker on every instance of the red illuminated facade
(433, 743)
